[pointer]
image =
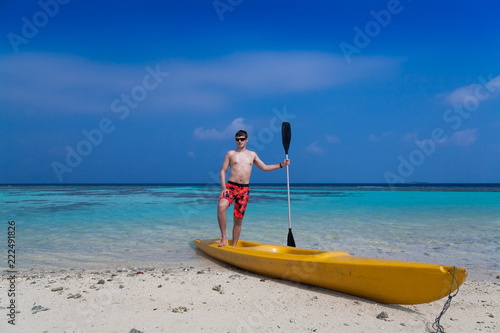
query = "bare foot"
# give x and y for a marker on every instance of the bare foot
(223, 242)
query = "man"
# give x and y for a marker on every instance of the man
(240, 160)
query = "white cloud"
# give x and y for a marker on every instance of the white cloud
(476, 91)
(383, 136)
(60, 83)
(410, 137)
(463, 138)
(332, 139)
(276, 72)
(315, 148)
(229, 131)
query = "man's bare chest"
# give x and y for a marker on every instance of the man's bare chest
(241, 159)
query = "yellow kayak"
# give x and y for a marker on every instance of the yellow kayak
(381, 280)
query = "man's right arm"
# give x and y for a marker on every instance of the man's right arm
(223, 171)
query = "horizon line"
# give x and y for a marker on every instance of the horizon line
(254, 184)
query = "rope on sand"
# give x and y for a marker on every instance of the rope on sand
(437, 326)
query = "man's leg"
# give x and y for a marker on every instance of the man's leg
(240, 205)
(221, 217)
(237, 229)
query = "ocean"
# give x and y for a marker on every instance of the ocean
(113, 226)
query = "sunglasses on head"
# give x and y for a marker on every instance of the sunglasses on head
(241, 139)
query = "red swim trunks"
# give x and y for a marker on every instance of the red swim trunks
(239, 193)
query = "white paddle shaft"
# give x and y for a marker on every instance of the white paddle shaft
(288, 190)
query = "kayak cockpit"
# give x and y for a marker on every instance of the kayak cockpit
(295, 251)
(283, 249)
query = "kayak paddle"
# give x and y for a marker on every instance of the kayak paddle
(286, 135)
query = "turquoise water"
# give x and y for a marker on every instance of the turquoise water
(130, 225)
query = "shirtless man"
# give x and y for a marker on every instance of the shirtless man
(236, 189)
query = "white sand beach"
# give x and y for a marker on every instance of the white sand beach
(215, 297)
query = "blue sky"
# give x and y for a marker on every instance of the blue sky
(153, 91)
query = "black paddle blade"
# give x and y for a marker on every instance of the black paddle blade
(291, 241)
(286, 135)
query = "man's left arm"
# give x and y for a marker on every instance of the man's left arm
(264, 167)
